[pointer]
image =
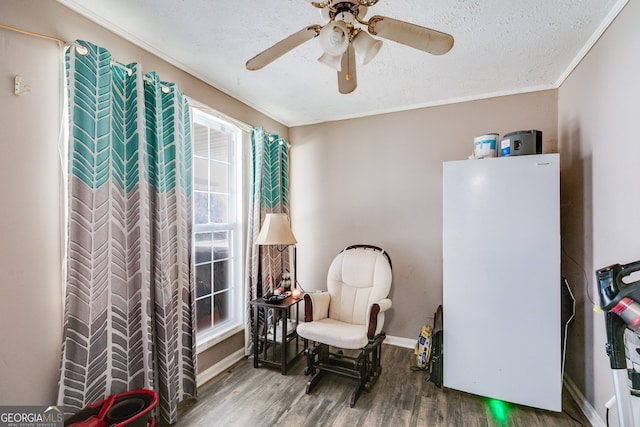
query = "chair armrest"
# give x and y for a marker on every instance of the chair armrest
(376, 317)
(316, 306)
(385, 304)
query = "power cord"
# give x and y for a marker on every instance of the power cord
(584, 274)
(586, 281)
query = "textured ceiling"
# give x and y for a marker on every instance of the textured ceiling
(501, 47)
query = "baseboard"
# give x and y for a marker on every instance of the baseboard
(400, 341)
(588, 410)
(219, 367)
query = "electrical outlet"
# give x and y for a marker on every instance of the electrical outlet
(20, 88)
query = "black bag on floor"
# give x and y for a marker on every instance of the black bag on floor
(436, 366)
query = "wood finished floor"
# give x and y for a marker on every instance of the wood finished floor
(244, 396)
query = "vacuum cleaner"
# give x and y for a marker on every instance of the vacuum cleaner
(619, 300)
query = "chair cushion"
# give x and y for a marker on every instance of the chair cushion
(334, 333)
(356, 279)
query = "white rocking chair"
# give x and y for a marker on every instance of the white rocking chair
(349, 315)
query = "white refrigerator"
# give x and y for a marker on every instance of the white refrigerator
(501, 279)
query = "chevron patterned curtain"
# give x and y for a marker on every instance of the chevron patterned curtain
(128, 306)
(270, 194)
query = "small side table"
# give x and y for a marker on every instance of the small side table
(278, 336)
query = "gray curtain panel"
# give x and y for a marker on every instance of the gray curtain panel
(270, 194)
(128, 320)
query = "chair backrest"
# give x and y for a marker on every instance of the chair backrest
(359, 276)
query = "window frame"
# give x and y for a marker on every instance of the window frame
(235, 227)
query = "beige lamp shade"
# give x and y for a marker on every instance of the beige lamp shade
(276, 231)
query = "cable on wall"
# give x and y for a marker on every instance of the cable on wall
(29, 33)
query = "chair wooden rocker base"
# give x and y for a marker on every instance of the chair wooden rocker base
(365, 367)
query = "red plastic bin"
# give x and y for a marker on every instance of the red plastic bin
(128, 409)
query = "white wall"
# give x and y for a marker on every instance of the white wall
(30, 260)
(599, 140)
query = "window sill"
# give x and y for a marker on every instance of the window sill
(208, 339)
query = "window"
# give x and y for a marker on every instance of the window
(217, 226)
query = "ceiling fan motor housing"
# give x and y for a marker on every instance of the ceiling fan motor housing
(346, 11)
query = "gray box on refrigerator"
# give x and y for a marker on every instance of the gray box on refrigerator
(520, 143)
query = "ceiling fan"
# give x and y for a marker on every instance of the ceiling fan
(341, 38)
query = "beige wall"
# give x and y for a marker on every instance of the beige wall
(30, 272)
(378, 180)
(215, 354)
(600, 150)
(30, 255)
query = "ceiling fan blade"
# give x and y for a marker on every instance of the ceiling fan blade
(413, 35)
(347, 77)
(269, 55)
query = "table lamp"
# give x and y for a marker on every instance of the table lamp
(276, 231)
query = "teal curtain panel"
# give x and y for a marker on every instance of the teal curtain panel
(128, 320)
(269, 194)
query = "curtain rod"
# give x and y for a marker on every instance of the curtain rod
(29, 33)
(55, 39)
(201, 106)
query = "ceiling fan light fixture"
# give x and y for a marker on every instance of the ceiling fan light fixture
(334, 38)
(366, 46)
(333, 61)
(346, 16)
